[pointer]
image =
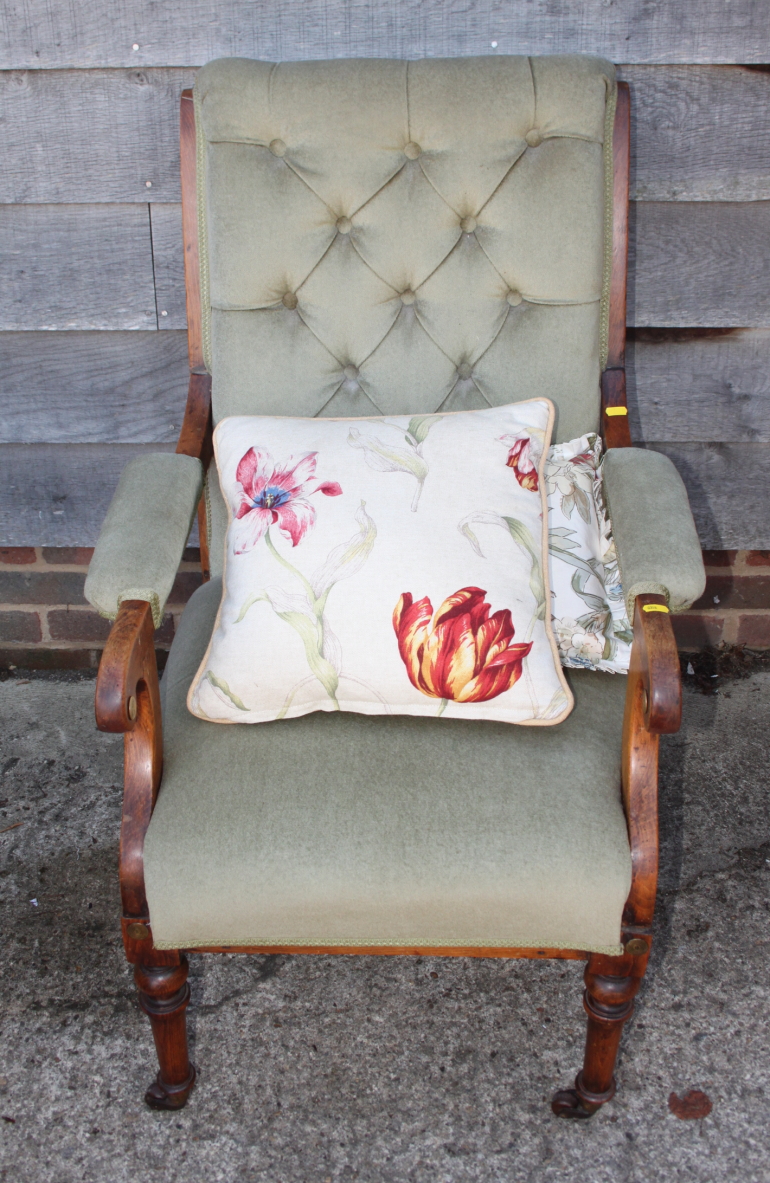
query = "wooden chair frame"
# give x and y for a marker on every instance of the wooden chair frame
(127, 700)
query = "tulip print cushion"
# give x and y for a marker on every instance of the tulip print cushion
(588, 608)
(387, 566)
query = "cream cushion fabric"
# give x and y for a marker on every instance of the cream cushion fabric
(346, 830)
(355, 579)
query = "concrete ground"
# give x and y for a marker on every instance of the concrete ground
(377, 1069)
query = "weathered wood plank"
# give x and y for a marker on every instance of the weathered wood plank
(699, 263)
(168, 258)
(91, 135)
(690, 263)
(699, 133)
(45, 34)
(92, 387)
(76, 267)
(699, 385)
(683, 384)
(729, 490)
(55, 496)
(90, 266)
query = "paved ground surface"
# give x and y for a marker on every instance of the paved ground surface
(377, 1069)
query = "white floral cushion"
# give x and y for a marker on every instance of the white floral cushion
(386, 566)
(588, 606)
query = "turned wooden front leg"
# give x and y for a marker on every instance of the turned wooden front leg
(608, 1002)
(611, 984)
(163, 996)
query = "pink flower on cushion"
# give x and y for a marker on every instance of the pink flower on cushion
(521, 460)
(273, 494)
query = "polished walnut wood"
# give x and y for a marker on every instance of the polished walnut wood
(188, 162)
(615, 429)
(403, 951)
(164, 996)
(196, 436)
(128, 701)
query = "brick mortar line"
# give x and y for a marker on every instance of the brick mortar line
(46, 638)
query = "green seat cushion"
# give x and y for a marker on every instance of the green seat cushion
(349, 830)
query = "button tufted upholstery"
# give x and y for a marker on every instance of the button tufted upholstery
(387, 237)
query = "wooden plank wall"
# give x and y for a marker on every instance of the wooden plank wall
(92, 348)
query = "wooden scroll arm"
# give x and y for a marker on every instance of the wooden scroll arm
(653, 708)
(128, 700)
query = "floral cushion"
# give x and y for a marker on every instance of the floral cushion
(387, 566)
(588, 606)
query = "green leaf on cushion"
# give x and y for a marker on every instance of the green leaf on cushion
(420, 425)
(523, 538)
(222, 685)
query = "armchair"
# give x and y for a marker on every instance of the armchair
(365, 235)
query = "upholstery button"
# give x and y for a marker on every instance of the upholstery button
(534, 138)
(408, 297)
(289, 300)
(464, 369)
(344, 225)
(277, 147)
(468, 225)
(412, 150)
(514, 298)
(350, 372)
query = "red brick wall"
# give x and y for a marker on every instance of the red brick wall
(45, 620)
(735, 607)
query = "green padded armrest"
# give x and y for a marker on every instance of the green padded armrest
(655, 536)
(144, 534)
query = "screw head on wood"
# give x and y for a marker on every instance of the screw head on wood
(636, 947)
(132, 708)
(137, 932)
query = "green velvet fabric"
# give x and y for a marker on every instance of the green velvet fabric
(655, 536)
(391, 237)
(144, 533)
(346, 830)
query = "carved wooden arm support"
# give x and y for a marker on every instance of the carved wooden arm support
(128, 700)
(653, 708)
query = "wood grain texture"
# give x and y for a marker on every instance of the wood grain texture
(76, 267)
(690, 264)
(621, 146)
(687, 385)
(192, 257)
(699, 385)
(699, 263)
(729, 490)
(92, 387)
(59, 495)
(699, 133)
(90, 135)
(168, 259)
(44, 34)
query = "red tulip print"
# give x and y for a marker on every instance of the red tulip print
(520, 459)
(460, 653)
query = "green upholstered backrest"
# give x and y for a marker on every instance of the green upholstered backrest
(389, 237)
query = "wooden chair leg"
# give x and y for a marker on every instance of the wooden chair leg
(163, 996)
(611, 983)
